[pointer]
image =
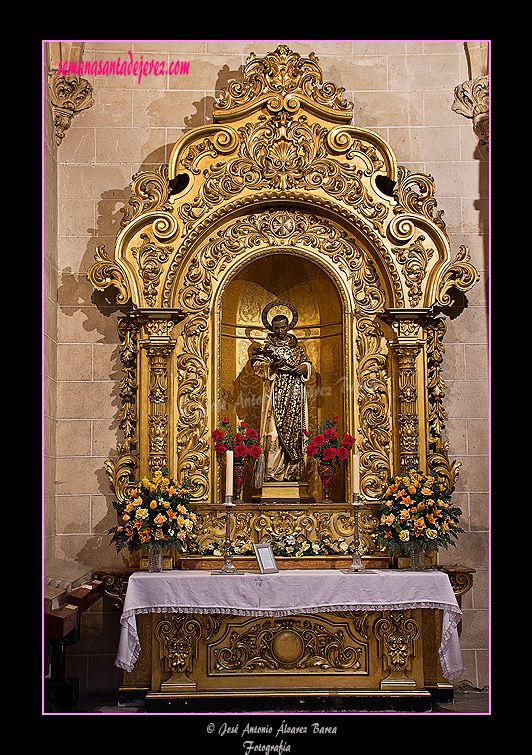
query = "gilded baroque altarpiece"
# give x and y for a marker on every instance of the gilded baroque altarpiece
(281, 198)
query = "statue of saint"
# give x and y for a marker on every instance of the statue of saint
(284, 368)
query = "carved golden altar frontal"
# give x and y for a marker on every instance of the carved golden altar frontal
(281, 197)
(189, 661)
(353, 657)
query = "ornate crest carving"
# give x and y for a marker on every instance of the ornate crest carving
(280, 152)
(283, 78)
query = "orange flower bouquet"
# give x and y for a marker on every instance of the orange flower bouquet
(155, 513)
(415, 512)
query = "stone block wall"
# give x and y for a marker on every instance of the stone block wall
(402, 90)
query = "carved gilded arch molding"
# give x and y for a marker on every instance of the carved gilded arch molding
(281, 171)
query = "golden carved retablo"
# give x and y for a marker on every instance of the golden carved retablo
(281, 181)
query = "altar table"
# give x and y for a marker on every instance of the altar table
(320, 635)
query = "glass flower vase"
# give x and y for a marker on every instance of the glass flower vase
(326, 472)
(239, 473)
(417, 559)
(155, 558)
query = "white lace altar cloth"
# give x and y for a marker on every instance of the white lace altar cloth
(290, 591)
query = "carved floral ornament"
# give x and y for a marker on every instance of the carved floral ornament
(280, 170)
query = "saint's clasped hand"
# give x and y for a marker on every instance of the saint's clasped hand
(280, 363)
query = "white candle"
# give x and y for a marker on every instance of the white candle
(229, 473)
(355, 473)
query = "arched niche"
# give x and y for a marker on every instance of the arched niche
(321, 330)
(319, 253)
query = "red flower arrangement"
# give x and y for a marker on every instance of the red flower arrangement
(326, 447)
(243, 442)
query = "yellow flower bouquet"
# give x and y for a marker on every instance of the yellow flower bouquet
(155, 513)
(415, 512)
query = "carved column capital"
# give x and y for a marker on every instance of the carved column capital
(69, 95)
(158, 324)
(471, 99)
(406, 323)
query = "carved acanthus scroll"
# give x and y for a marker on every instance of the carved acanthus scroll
(289, 644)
(460, 274)
(105, 272)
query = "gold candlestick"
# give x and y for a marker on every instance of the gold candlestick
(228, 567)
(357, 567)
